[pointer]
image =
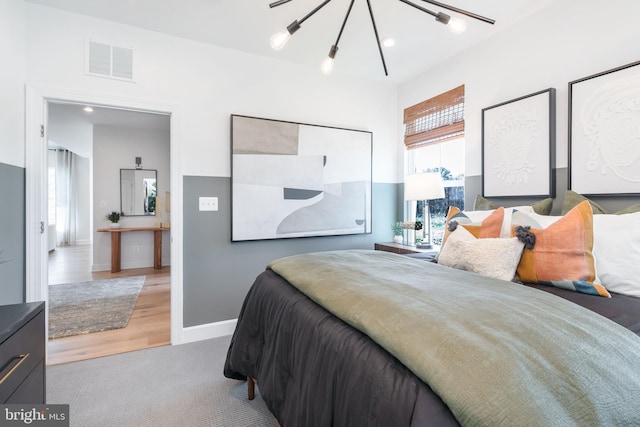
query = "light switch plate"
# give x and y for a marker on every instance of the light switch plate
(208, 203)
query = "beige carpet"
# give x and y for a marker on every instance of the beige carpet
(170, 386)
(86, 307)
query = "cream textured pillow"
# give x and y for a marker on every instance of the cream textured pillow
(493, 257)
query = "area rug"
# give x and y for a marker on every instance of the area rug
(86, 307)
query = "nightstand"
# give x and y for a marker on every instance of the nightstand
(399, 248)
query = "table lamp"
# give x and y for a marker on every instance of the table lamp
(424, 186)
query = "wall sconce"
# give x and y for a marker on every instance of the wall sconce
(138, 162)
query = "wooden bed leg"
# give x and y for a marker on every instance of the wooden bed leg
(251, 388)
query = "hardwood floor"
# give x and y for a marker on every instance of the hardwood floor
(149, 324)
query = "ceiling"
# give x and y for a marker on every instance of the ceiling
(247, 25)
(71, 112)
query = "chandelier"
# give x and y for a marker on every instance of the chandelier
(279, 39)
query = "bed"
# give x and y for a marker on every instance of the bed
(323, 353)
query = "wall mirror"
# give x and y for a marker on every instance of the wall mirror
(138, 191)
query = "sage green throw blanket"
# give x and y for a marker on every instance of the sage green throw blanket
(496, 352)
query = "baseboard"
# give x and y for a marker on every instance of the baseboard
(208, 331)
(101, 267)
(107, 267)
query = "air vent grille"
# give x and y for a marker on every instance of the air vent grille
(105, 60)
(122, 66)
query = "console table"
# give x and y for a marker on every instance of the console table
(116, 234)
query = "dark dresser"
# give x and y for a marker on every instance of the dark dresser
(22, 353)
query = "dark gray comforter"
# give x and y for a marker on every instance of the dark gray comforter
(315, 370)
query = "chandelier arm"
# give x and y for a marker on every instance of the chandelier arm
(461, 11)
(430, 12)
(375, 30)
(278, 3)
(310, 14)
(344, 22)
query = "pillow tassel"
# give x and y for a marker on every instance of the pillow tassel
(526, 236)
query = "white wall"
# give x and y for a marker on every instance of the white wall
(82, 178)
(567, 41)
(13, 54)
(116, 148)
(208, 84)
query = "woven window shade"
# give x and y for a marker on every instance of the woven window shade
(435, 120)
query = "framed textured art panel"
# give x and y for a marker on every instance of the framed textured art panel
(298, 180)
(518, 146)
(604, 132)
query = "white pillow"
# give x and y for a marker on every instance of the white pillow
(533, 219)
(617, 252)
(497, 258)
(505, 231)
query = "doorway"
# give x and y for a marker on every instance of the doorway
(37, 259)
(88, 148)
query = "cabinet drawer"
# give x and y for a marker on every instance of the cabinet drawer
(31, 390)
(20, 354)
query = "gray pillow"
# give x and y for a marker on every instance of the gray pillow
(572, 199)
(541, 207)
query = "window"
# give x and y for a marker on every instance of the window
(434, 138)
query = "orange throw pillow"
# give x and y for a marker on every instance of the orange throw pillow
(562, 255)
(489, 227)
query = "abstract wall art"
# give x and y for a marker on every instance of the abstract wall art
(604, 132)
(298, 180)
(518, 147)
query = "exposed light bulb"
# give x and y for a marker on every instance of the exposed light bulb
(457, 26)
(278, 40)
(327, 65)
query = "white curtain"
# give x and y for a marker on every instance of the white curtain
(66, 200)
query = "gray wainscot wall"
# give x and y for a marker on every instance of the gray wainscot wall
(218, 273)
(473, 186)
(12, 234)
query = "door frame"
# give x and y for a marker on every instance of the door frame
(36, 258)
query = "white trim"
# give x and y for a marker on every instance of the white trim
(176, 238)
(208, 331)
(36, 254)
(36, 243)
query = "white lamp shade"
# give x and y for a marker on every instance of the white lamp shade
(423, 186)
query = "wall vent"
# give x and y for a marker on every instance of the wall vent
(105, 60)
